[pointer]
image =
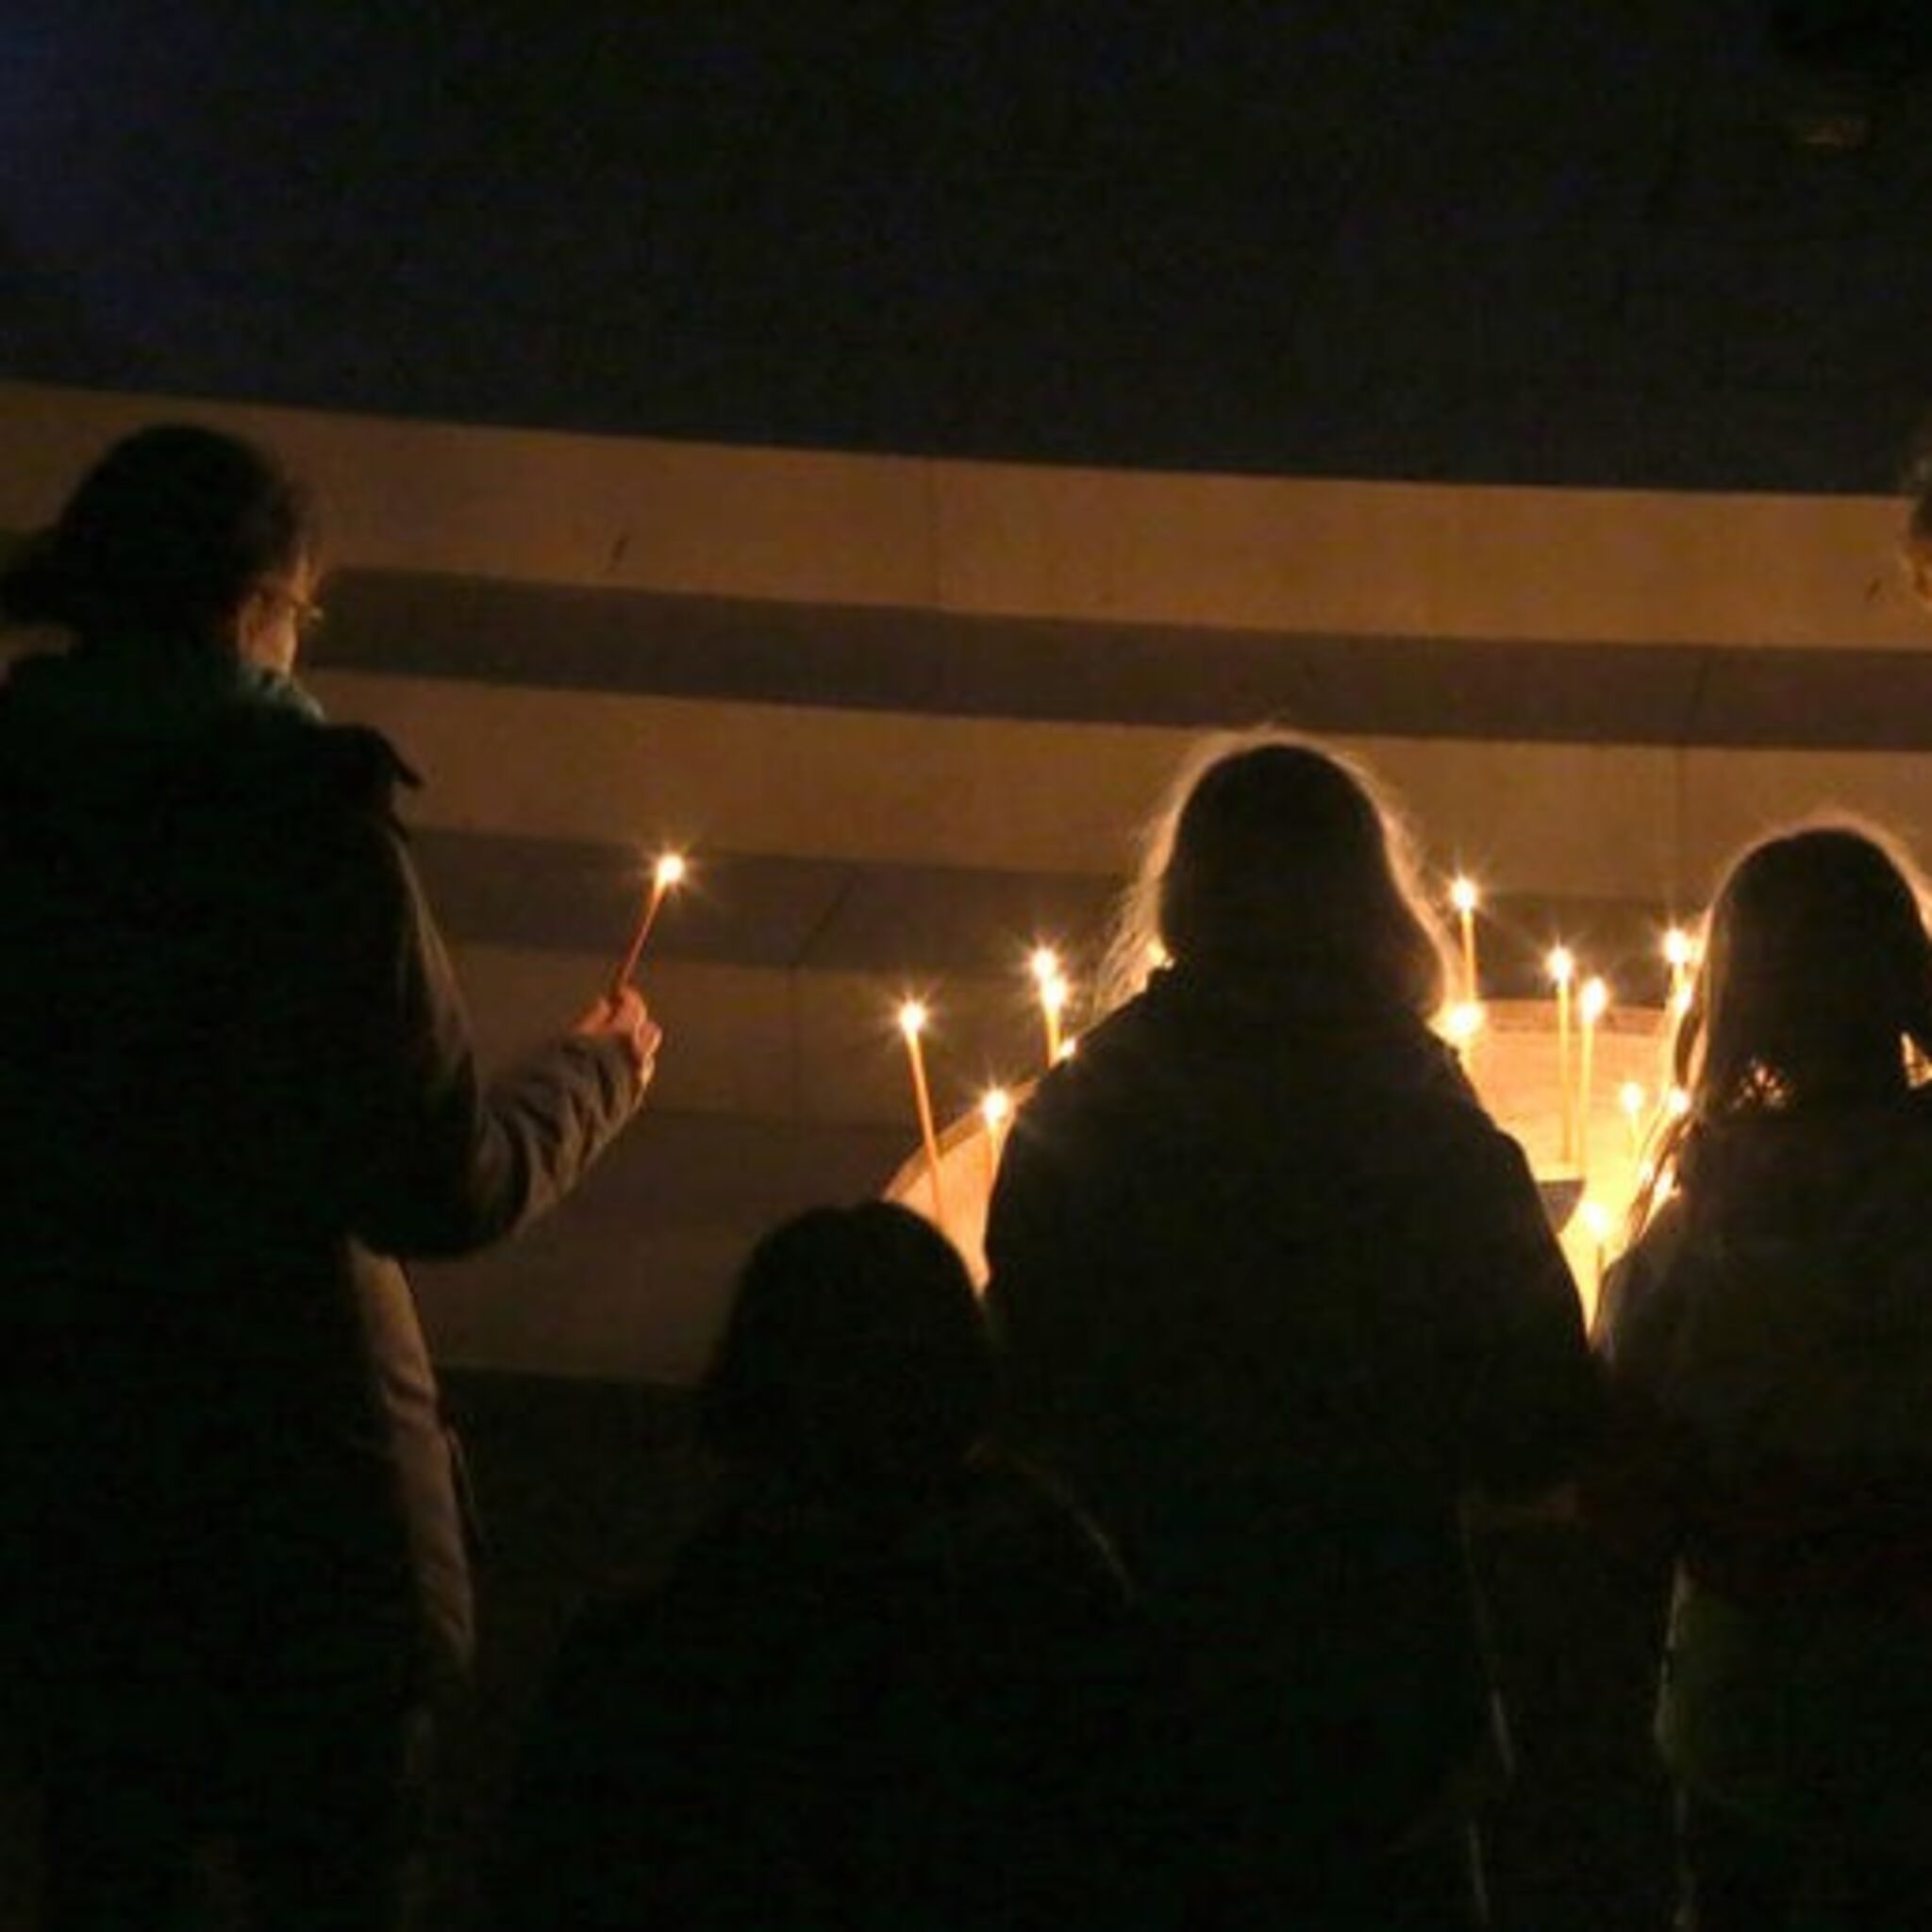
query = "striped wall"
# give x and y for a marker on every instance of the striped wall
(908, 713)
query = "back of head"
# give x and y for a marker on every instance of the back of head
(855, 1357)
(163, 540)
(1282, 859)
(1816, 969)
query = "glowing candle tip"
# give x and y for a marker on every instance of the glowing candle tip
(912, 1018)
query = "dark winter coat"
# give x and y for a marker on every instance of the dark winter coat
(844, 1713)
(1275, 1294)
(1770, 1348)
(236, 1080)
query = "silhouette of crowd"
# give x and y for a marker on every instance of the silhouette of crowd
(1136, 1591)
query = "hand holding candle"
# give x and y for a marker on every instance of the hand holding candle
(667, 873)
(625, 1016)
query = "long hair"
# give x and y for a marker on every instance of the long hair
(1815, 985)
(1271, 852)
(162, 539)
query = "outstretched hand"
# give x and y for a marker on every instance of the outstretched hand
(626, 1017)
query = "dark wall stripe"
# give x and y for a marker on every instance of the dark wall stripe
(947, 664)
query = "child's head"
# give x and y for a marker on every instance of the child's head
(1817, 971)
(855, 1357)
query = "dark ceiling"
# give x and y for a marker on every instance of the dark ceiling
(1682, 242)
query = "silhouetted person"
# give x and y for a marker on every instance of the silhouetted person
(1769, 1337)
(1273, 1294)
(235, 1075)
(887, 1685)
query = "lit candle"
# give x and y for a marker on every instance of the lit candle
(996, 1115)
(912, 1018)
(1462, 895)
(667, 873)
(1679, 950)
(1594, 998)
(1596, 1221)
(1630, 1097)
(1561, 967)
(1053, 997)
(1462, 1023)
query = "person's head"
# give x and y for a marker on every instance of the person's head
(1275, 855)
(854, 1358)
(1815, 972)
(178, 536)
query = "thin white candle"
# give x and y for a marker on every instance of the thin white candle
(1463, 896)
(1561, 967)
(1594, 998)
(1630, 1097)
(1051, 988)
(1679, 951)
(665, 876)
(912, 1018)
(996, 1115)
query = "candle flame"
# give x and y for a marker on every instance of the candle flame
(912, 1018)
(1463, 893)
(1046, 965)
(1679, 948)
(1677, 1102)
(996, 1107)
(1464, 1021)
(1597, 1218)
(1594, 998)
(669, 871)
(1631, 1095)
(1053, 995)
(1561, 964)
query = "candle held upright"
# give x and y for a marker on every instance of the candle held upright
(912, 1018)
(666, 875)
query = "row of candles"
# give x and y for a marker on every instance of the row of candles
(1581, 1002)
(1580, 1005)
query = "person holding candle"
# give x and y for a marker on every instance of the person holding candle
(1274, 1295)
(1769, 1343)
(235, 1078)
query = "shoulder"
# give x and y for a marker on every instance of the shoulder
(344, 771)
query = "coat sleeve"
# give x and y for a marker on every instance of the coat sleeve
(1532, 1397)
(445, 1165)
